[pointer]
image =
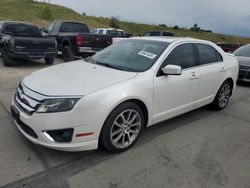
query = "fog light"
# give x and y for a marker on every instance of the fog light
(60, 136)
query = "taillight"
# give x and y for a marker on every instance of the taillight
(110, 41)
(79, 39)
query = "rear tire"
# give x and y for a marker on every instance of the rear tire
(68, 54)
(223, 96)
(122, 128)
(49, 61)
(7, 60)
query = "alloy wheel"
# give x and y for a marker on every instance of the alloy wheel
(126, 128)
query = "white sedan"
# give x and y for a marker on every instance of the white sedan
(112, 96)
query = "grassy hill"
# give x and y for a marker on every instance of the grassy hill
(29, 11)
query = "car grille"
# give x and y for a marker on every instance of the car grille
(24, 102)
(244, 72)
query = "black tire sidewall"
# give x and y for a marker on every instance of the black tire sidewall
(105, 138)
(70, 56)
(6, 59)
(49, 61)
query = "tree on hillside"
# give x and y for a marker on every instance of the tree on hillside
(195, 28)
(114, 22)
(84, 14)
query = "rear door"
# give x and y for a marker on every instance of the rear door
(212, 71)
(174, 95)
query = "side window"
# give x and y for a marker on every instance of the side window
(100, 32)
(182, 55)
(207, 54)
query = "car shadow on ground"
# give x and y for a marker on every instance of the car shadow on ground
(244, 84)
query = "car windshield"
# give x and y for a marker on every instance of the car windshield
(243, 51)
(130, 55)
(22, 30)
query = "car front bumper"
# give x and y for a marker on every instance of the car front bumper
(31, 55)
(244, 74)
(34, 126)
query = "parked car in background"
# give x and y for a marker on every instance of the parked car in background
(116, 33)
(74, 39)
(243, 56)
(25, 41)
(111, 97)
(158, 33)
(229, 47)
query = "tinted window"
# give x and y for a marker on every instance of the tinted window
(167, 34)
(207, 54)
(182, 55)
(243, 51)
(131, 55)
(22, 30)
(74, 27)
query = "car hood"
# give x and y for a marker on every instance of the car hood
(244, 61)
(74, 78)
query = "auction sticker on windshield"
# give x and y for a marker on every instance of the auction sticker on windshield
(147, 54)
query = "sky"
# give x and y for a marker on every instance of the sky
(220, 16)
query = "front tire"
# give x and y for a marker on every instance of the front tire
(68, 54)
(223, 96)
(49, 61)
(122, 128)
(7, 60)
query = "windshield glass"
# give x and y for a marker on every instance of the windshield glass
(22, 30)
(243, 51)
(131, 55)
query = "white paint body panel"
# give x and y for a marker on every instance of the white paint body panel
(102, 89)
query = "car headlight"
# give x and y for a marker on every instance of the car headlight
(57, 105)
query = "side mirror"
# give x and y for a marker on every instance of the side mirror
(172, 70)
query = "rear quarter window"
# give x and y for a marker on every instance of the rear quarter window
(207, 54)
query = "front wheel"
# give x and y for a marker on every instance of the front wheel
(122, 128)
(223, 96)
(49, 61)
(7, 60)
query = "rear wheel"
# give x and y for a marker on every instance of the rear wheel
(49, 61)
(7, 60)
(68, 54)
(223, 96)
(122, 127)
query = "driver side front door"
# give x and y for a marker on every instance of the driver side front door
(176, 94)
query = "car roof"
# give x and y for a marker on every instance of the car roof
(109, 29)
(169, 39)
(16, 22)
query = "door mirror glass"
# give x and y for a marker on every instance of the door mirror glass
(172, 70)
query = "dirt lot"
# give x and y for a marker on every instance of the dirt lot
(199, 149)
